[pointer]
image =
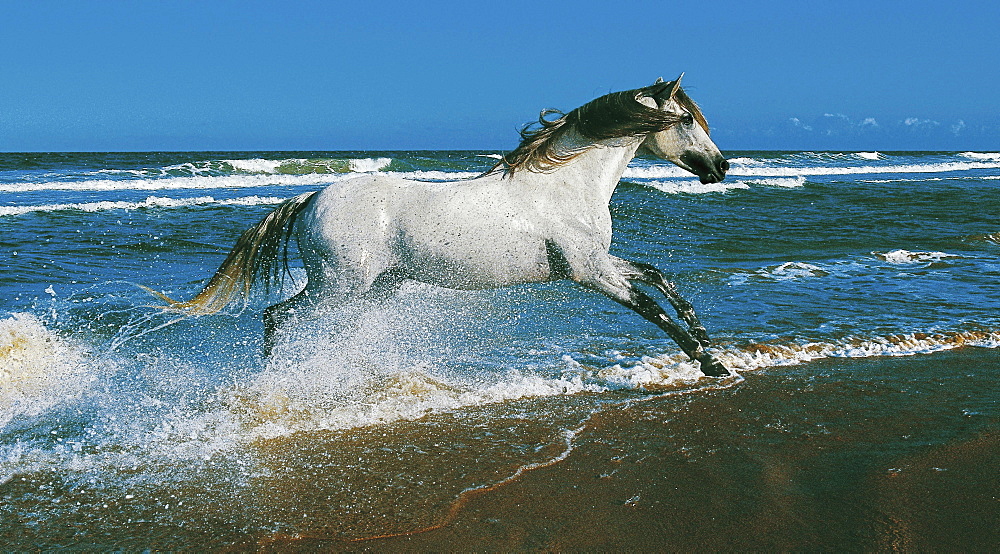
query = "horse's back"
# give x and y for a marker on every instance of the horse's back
(462, 234)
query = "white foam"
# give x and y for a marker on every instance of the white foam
(792, 270)
(150, 202)
(787, 171)
(383, 364)
(670, 370)
(209, 168)
(178, 183)
(695, 187)
(369, 165)
(907, 257)
(654, 172)
(661, 372)
(247, 201)
(908, 344)
(785, 182)
(194, 168)
(272, 406)
(747, 162)
(358, 165)
(135, 172)
(747, 167)
(258, 165)
(38, 368)
(787, 271)
(981, 155)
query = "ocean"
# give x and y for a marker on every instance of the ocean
(855, 294)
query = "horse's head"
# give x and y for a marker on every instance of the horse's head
(686, 142)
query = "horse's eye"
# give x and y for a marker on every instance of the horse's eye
(688, 119)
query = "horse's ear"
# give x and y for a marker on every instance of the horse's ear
(668, 90)
(657, 89)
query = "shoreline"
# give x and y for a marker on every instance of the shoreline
(775, 467)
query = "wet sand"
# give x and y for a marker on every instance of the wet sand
(872, 454)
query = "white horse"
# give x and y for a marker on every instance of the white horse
(541, 214)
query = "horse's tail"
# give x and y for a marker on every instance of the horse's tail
(254, 257)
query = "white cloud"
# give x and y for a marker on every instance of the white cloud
(917, 122)
(795, 121)
(833, 124)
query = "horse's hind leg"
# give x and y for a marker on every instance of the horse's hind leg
(275, 316)
(319, 293)
(386, 284)
(645, 273)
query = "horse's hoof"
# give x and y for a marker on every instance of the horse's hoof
(713, 368)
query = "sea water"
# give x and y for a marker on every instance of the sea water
(125, 426)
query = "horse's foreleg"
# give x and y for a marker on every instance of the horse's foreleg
(645, 273)
(628, 295)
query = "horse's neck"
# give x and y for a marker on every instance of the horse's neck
(593, 174)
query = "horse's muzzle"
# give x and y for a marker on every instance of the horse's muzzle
(707, 170)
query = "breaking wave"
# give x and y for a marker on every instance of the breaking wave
(695, 187)
(150, 202)
(308, 397)
(337, 390)
(668, 370)
(242, 181)
(38, 368)
(175, 183)
(981, 155)
(789, 168)
(257, 166)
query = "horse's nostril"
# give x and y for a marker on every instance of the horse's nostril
(724, 166)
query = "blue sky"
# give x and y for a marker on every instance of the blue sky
(213, 75)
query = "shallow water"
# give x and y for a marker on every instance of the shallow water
(121, 427)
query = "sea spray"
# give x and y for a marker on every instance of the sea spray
(38, 368)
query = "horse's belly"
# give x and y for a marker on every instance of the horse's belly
(481, 266)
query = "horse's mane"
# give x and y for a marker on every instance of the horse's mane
(615, 115)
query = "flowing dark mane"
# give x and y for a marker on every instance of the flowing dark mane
(615, 115)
